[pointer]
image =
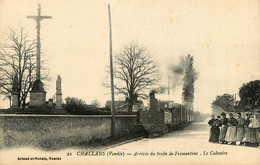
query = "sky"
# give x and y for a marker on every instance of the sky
(223, 36)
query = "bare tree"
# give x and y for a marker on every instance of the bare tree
(135, 72)
(18, 59)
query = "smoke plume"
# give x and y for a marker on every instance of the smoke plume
(176, 72)
(189, 80)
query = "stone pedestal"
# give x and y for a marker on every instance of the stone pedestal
(37, 98)
(37, 94)
(15, 98)
(58, 100)
(58, 108)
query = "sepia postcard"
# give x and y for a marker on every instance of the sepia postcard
(129, 82)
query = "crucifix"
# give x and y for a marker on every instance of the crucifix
(38, 19)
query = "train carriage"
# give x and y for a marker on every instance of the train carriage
(163, 116)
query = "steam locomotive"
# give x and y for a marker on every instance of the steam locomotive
(163, 116)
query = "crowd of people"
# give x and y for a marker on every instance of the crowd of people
(231, 130)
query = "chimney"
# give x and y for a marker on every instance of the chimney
(152, 96)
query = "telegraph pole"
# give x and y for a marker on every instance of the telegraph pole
(113, 119)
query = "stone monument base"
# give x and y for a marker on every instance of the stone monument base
(15, 98)
(37, 99)
(58, 99)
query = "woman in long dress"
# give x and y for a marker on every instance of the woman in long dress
(223, 128)
(214, 130)
(247, 134)
(251, 134)
(240, 128)
(232, 129)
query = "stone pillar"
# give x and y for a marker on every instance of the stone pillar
(15, 93)
(58, 100)
(15, 97)
(58, 92)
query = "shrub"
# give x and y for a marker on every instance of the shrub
(74, 105)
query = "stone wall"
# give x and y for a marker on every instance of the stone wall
(60, 131)
(128, 125)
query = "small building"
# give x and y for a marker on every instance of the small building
(123, 105)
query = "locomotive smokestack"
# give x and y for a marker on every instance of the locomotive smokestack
(152, 100)
(152, 93)
(152, 96)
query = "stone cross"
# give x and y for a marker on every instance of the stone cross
(38, 19)
(37, 94)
